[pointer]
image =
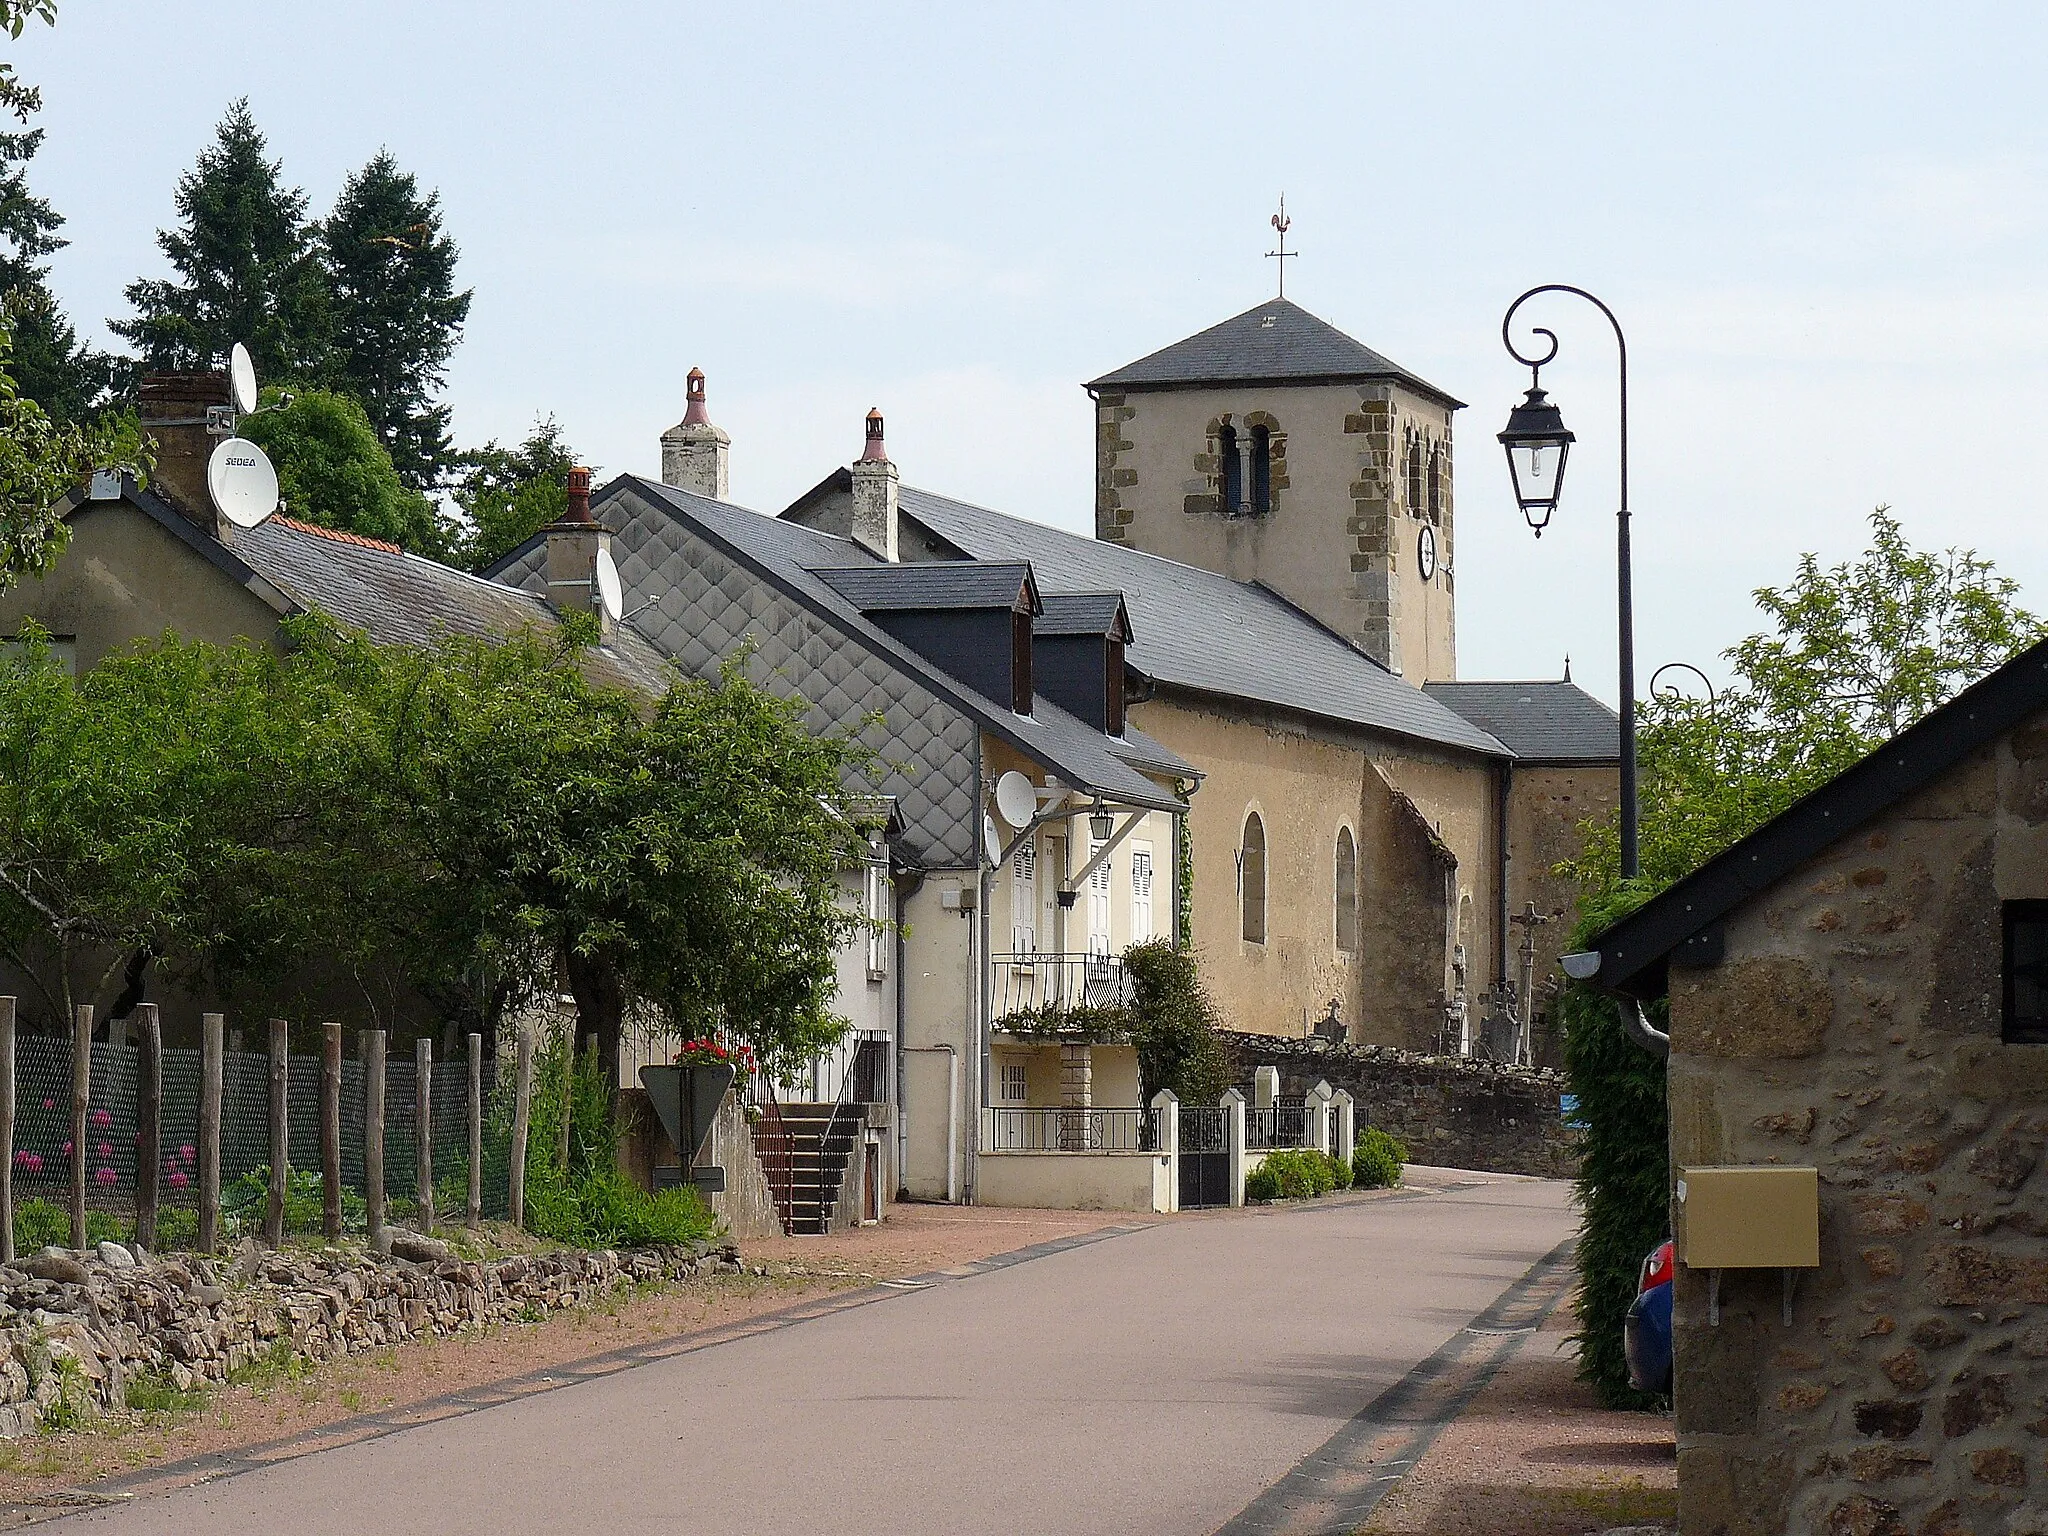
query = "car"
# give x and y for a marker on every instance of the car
(1646, 1334)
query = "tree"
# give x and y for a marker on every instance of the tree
(332, 470)
(1858, 652)
(396, 315)
(248, 268)
(40, 463)
(510, 494)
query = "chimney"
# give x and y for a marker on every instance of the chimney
(573, 545)
(875, 491)
(693, 451)
(175, 409)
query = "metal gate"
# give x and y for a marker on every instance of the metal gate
(1204, 1157)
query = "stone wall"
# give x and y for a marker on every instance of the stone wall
(1451, 1113)
(1854, 1026)
(80, 1326)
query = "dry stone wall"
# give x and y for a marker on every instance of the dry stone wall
(78, 1327)
(1452, 1113)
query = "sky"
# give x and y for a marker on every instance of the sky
(1820, 225)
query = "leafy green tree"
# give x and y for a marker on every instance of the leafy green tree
(396, 314)
(40, 463)
(509, 494)
(247, 263)
(1174, 1025)
(332, 470)
(1858, 651)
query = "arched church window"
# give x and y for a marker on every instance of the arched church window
(1262, 470)
(1436, 486)
(1347, 892)
(1251, 878)
(1415, 493)
(1232, 468)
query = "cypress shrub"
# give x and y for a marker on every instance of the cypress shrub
(1624, 1183)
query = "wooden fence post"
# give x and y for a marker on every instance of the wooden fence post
(149, 1120)
(522, 1108)
(373, 1136)
(423, 1130)
(81, 1095)
(475, 1213)
(6, 1130)
(212, 1030)
(280, 1141)
(330, 1132)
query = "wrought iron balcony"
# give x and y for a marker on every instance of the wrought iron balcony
(1038, 982)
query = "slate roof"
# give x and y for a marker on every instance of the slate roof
(798, 560)
(1683, 920)
(1546, 722)
(886, 588)
(1277, 342)
(1195, 629)
(1083, 613)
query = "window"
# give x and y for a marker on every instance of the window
(1098, 904)
(1016, 1083)
(1415, 492)
(2026, 973)
(1113, 687)
(1231, 468)
(1436, 486)
(1024, 898)
(877, 914)
(1251, 878)
(1020, 663)
(1262, 470)
(1141, 892)
(1347, 892)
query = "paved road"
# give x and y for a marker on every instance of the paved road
(1152, 1382)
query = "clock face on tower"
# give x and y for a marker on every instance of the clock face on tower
(1425, 552)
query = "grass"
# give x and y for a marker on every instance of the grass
(274, 1365)
(154, 1393)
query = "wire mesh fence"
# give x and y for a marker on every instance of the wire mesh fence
(44, 1139)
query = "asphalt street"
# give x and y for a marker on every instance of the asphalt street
(1155, 1381)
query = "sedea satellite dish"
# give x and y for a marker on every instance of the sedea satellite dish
(1016, 800)
(609, 593)
(992, 840)
(242, 482)
(242, 379)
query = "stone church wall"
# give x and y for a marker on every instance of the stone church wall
(1854, 1026)
(1451, 1113)
(1547, 806)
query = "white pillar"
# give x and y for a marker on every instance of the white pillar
(1319, 1118)
(1233, 1115)
(1265, 1087)
(1167, 1107)
(1344, 1115)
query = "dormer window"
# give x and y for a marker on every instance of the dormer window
(1113, 686)
(1020, 662)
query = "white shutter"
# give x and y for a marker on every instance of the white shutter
(1141, 892)
(1024, 898)
(1098, 904)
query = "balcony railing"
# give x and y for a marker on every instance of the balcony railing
(1070, 1130)
(1035, 981)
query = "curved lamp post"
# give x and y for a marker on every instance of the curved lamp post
(1537, 444)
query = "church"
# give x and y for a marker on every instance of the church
(1273, 499)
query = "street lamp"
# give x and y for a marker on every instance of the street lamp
(1537, 444)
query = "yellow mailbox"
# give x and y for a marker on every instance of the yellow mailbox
(1757, 1217)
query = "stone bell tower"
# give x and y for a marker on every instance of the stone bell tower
(1274, 448)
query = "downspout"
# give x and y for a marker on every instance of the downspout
(904, 886)
(1584, 965)
(979, 979)
(1504, 782)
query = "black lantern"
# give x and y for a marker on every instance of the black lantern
(1100, 822)
(1537, 442)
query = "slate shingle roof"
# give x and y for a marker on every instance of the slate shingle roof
(1082, 613)
(1195, 629)
(885, 588)
(1274, 342)
(1546, 722)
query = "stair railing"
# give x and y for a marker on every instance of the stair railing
(772, 1146)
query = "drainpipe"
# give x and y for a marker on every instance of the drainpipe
(903, 886)
(1584, 965)
(1503, 782)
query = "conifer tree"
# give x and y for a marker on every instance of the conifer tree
(396, 314)
(247, 263)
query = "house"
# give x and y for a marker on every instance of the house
(1859, 1021)
(957, 678)
(1274, 504)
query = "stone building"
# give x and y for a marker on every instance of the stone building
(1861, 987)
(1273, 500)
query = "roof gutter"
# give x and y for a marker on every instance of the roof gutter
(1635, 1023)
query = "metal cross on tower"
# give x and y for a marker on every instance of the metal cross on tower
(1282, 223)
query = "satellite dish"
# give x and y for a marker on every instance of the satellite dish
(1016, 800)
(242, 482)
(992, 840)
(242, 378)
(609, 592)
